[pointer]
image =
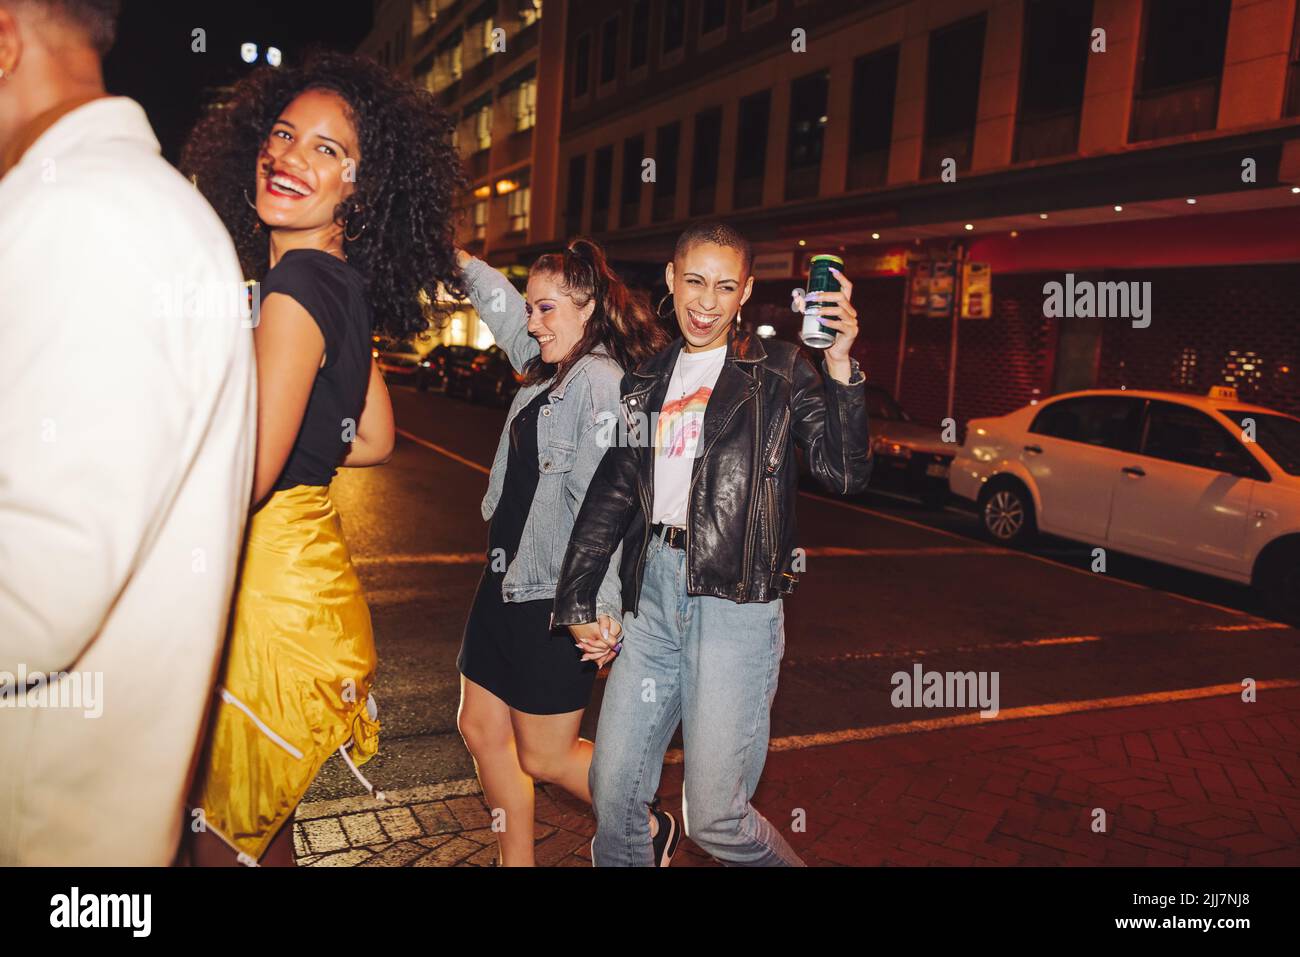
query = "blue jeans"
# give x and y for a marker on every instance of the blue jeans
(711, 664)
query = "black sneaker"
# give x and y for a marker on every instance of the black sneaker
(666, 840)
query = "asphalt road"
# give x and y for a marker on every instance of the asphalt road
(888, 584)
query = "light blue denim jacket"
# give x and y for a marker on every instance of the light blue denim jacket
(569, 445)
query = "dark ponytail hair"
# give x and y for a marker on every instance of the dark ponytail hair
(622, 321)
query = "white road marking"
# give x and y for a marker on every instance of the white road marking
(800, 741)
(441, 451)
(425, 558)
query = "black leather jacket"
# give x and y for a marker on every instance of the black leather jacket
(740, 538)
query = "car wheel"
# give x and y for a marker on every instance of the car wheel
(1007, 513)
(1279, 583)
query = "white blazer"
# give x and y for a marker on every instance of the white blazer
(127, 434)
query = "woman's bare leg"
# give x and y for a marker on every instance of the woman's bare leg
(550, 749)
(484, 723)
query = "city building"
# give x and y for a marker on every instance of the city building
(1052, 141)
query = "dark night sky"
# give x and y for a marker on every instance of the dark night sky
(152, 61)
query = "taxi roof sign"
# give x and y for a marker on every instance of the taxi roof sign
(1223, 392)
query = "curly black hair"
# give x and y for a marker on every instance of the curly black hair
(407, 180)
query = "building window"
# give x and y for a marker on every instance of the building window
(602, 178)
(483, 128)
(713, 16)
(638, 39)
(608, 50)
(756, 12)
(875, 84)
(704, 161)
(751, 149)
(674, 31)
(485, 40)
(480, 219)
(517, 209)
(952, 95)
(573, 202)
(1057, 36)
(807, 129)
(1182, 63)
(530, 13)
(667, 145)
(582, 66)
(630, 194)
(526, 105)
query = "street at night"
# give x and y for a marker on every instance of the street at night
(1191, 775)
(853, 438)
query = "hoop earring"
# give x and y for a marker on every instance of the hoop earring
(659, 309)
(257, 220)
(353, 239)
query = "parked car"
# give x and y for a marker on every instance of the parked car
(433, 370)
(458, 365)
(492, 379)
(909, 457)
(399, 359)
(1209, 484)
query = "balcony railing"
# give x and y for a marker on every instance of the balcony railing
(702, 199)
(1048, 134)
(1175, 111)
(957, 146)
(867, 169)
(477, 164)
(663, 207)
(747, 192)
(518, 146)
(802, 182)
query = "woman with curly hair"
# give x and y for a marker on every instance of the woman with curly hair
(524, 686)
(350, 218)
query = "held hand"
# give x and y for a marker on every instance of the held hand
(462, 258)
(838, 313)
(596, 639)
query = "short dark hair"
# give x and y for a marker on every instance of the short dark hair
(718, 232)
(97, 19)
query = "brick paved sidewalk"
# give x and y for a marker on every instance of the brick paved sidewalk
(1211, 781)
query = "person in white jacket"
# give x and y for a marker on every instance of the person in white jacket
(126, 454)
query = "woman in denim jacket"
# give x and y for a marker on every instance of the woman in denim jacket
(524, 685)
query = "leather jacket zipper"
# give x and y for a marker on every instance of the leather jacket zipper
(778, 450)
(753, 501)
(773, 533)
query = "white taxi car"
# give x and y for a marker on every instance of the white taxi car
(1206, 483)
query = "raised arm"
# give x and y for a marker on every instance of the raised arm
(499, 304)
(829, 421)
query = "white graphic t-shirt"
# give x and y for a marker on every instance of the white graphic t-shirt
(679, 428)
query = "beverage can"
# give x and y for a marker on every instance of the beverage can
(820, 279)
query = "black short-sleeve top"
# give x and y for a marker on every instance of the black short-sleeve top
(334, 294)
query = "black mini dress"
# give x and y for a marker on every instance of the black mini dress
(508, 646)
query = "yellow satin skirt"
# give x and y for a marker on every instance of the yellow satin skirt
(298, 669)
